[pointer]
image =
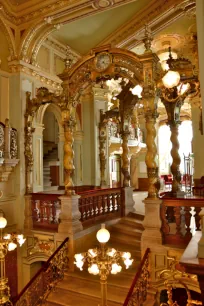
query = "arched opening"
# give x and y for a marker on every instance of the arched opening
(51, 163)
(185, 151)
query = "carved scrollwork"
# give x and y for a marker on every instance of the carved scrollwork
(13, 146)
(1, 137)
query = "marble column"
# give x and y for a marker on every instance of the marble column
(200, 31)
(125, 159)
(151, 156)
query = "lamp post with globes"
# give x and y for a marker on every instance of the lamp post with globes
(8, 242)
(178, 83)
(103, 261)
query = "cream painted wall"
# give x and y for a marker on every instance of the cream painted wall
(198, 144)
(51, 130)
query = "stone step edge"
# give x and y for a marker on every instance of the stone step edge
(88, 294)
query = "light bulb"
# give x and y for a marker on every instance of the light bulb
(137, 90)
(116, 268)
(126, 255)
(79, 264)
(7, 236)
(111, 252)
(78, 257)
(128, 262)
(21, 240)
(11, 246)
(92, 253)
(171, 79)
(93, 269)
(3, 222)
(182, 88)
(103, 234)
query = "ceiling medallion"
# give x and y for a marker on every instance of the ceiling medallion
(100, 4)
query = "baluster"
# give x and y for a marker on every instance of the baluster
(103, 209)
(41, 211)
(99, 205)
(94, 206)
(58, 211)
(35, 211)
(49, 211)
(118, 202)
(113, 202)
(165, 225)
(108, 203)
(91, 213)
(177, 215)
(54, 220)
(88, 208)
(81, 208)
(197, 217)
(188, 221)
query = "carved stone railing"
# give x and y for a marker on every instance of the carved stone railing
(176, 216)
(45, 211)
(138, 291)
(100, 205)
(8, 150)
(39, 287)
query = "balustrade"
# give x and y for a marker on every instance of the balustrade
(45, 211)
(100, 205)
(46, 279)
(177, 219)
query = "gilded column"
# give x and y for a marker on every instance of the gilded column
(151, 156)
(125, 158)
(68, 155)
(29, 130)
(174, 127)
(102, 153)
(7, 141)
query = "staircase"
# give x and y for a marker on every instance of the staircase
(81, 288)
(50, 154)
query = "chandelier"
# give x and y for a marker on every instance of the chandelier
(102, 261)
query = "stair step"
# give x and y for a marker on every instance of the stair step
(74, 299)
(136, 216)
(136, 224)
(127, 229)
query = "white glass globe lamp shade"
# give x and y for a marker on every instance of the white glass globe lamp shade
(128, 262)
(92, 253)
(126, 255)
(137, 90)
(12, 246)
(93, 269)
(116, 268)
(7, 236)
(21, 240)
(171, 79)
(111, 252)
(103, 234)
(3, 222)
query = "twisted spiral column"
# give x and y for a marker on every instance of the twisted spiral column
(174, 127)
(151, 156)
(125, 158)
(68, 156)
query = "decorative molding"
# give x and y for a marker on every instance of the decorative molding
(159, 15)
(36, 72)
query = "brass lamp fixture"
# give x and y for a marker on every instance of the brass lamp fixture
(103, 261)
(178, 83)
(8, 242)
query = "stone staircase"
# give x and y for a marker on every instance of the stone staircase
(50, 156)
(81, 288)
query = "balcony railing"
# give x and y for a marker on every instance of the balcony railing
(100, 205)
(94, 205)
(39, 287)
(180, 217)
(137, 294)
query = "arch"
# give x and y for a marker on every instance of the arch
(9, 36)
